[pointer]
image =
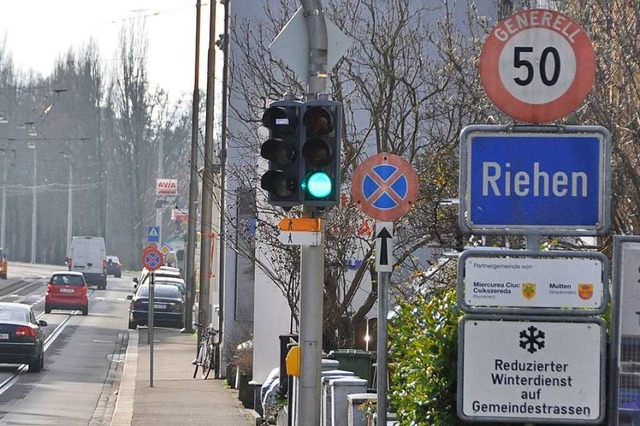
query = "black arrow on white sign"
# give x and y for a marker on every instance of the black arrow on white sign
(384, 260)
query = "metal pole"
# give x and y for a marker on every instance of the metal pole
(159, 206)
(3, 224)
(381, 372)
(193, 190)
(223, 177)
(312, 257)
(70, 205)
(206, 232)
(150, 327)
(34, 211)
(311, 294)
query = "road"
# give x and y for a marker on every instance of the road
(83, 359)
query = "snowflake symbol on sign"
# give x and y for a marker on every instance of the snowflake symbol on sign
(532, 339)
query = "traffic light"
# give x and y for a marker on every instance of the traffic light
(282, 149)
(321, 146)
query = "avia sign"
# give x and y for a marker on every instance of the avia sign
(553, 182)
(166, 186)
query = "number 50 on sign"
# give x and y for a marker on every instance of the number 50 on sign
(537, 65)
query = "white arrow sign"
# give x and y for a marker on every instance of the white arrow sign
(300, 238)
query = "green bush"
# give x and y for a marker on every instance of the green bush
(423, 360)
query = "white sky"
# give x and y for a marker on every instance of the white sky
(37, 32)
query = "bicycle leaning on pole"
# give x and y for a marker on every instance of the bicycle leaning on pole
(207, 352)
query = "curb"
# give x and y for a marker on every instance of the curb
(123, 412)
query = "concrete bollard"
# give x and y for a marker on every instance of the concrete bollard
(340, 388)
(325, 404)
(356, 415)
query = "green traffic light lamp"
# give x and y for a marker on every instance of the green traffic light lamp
(318, 185)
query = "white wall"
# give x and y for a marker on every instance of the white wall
(271, 319)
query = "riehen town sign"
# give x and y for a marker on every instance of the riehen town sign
(553, 182)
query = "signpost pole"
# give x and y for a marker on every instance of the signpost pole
(150, 326)
(152, 259)
(312, 257)
(381, 372)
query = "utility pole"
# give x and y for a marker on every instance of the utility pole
(3, 223)
(34, 210)
(206, 233)
(312, 257)
(224, 46)
(193, 189)
(70, 202)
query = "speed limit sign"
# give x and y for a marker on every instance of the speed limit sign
(537, 65)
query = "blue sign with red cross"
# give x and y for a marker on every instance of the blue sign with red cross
(384, 186)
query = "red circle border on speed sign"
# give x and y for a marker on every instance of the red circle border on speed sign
(384, 186)
(538, 19)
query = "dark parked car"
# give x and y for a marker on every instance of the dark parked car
(67, 290)
(167, 306)
(114, 267)
(21, 338)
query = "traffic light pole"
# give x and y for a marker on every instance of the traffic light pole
(312, 257)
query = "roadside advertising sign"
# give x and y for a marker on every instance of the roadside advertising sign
(542, 369)
(555, 181)
(166, 186)
(532, 282)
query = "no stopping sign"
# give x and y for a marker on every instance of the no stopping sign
(537, 65)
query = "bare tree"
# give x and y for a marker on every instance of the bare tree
(408, 85)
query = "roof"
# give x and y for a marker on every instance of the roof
(11, 305)
(67, 273)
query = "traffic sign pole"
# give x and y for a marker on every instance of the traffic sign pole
(150, 326)
(384, 187)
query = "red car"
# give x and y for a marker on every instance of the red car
(67, 290)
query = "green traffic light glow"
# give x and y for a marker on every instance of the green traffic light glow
(318, 185)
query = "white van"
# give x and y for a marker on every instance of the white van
(89, 256)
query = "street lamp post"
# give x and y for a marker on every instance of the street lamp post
(3, 220)
(69, 157)
(34, 212)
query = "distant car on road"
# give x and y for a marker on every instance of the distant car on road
(167, 306)
(21, 336)
(161, 272)
(67, 290)
(89, 256)
(114, 267)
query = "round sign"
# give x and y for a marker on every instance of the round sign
(384, 186)
(152, 258)
(537, 65)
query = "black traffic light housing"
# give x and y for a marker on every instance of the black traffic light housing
(321, 148)
(282, 149)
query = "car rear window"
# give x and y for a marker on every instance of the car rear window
(173, 283)
(160, 291)
(14, 315)
(67, 280)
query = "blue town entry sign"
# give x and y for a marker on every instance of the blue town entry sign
(544, 180)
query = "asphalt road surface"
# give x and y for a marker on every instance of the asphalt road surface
(83, 359)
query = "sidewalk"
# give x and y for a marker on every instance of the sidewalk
(176, 397)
